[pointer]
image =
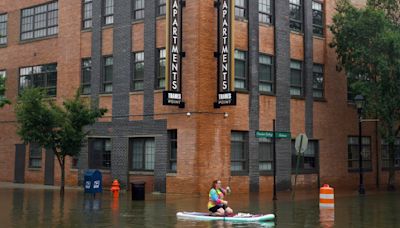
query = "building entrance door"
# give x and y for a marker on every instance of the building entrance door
(49, 168)
(19, 166)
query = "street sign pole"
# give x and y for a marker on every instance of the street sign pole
(297, 169)
(300, 145)
(274, 157)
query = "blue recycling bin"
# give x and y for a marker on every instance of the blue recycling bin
(93, 181)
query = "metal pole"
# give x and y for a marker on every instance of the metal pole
(361, 189)
(274, 157)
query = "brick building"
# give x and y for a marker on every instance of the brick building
(115, 50)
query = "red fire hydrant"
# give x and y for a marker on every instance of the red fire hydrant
(115, 188)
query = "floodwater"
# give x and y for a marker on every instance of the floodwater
(39, 206)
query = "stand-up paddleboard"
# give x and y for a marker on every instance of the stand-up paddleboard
(240, 217)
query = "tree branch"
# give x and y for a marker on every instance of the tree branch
(397, 131)
(57, 155)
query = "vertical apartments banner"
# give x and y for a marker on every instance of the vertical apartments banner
(173, 71)
(225, 54)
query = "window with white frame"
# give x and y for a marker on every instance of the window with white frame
(353, 153)
(108, 12)
(87, 11)
(241, 8)
(138, 9)
(43, 76)
(318, 18)
(35, 156)
(100, 153)
(318, 81)
(241, 80)
(265, 155)
(385, 154)
(86, 75)
(265, 11)
(108, 74)
(160, 84)
(138, 71)
(3, 29)
(39, 21)
(162, 7)
(266, 74)
(239, 152)
(296, 15)
(296, 78)
(142, 154)
(173, 149)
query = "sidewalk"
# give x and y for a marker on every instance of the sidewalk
(35, 186)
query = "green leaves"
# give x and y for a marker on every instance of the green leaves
(3, 100)
(42, 121)
(367, 43)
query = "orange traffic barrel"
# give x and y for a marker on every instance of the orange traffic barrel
(326, 197)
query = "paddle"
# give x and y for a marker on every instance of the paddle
(229, 185)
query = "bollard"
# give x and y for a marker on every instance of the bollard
(326, 197)
(115, 188)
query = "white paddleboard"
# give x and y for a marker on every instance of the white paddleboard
(240, 217)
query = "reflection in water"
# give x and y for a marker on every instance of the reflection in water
(44, 208)
(327, 217)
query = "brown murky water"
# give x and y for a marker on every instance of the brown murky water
(38, 207)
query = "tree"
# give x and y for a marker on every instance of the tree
(60, 128)
(3, 100)
(367, 43)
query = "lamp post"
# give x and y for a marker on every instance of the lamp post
(359, 100)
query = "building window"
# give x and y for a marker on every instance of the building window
(74, 162)
(3, 29)
(385, 154)
(2, 86)
(138, 71)
(39, 21)
(86, 75)
(296, 15)
(318, 81)
(266, 74)
(142, 154)
(296, 78)
(108, 74)
(307, 160)
(241, 70)
(173, 149)
(161, 69)
(265, 11)
(318, 17)
(108, 11)
(241, 8)
(265, 155)
(100, 153)
(162, 7)
(43, 76)
(353, 161)
(137, 9)
(239, 152)
(87, 10)
(35, 156)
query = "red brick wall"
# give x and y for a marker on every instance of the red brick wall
(203, 137)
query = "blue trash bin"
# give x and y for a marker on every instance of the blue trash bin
(93, 181)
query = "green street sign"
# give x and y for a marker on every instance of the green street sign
(264, 134)
(270, 134)
(283, 135)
